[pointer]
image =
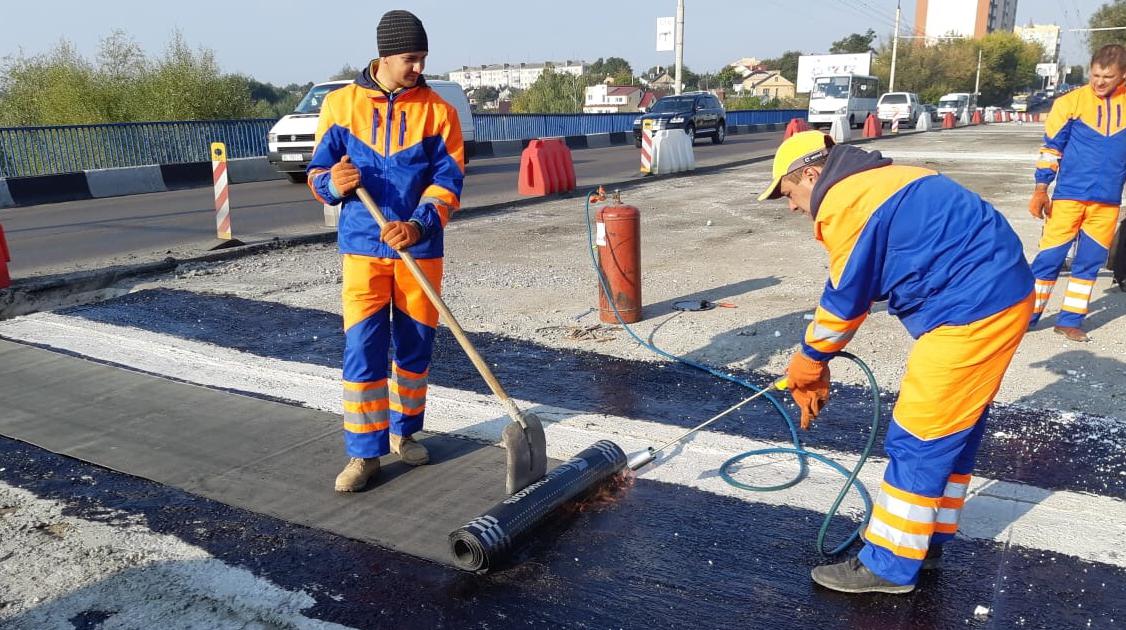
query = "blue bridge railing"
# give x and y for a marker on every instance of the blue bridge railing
(29, 151)
(26, 151)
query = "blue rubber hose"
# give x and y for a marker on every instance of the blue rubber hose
(796, 448)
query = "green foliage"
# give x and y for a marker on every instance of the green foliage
(786, 65)
(346, 73)
(615, 67)
(1008, 66)
(121, 85)
(854, 44)
(727, 77)
(552, 93)
(485, 94)
(1110, 14)
(1076, 76)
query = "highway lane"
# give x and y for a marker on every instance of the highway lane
(62, 237)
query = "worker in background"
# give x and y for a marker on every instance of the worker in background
(1084, 153)
(392, 134)
(953, 271)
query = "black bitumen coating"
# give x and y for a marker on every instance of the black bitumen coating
(659, 556)
(1044, 450)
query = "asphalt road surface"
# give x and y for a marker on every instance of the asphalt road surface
(54, 238)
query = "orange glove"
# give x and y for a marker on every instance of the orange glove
(808, 381)
(345, 176)
(400, 234)
(1040, 205)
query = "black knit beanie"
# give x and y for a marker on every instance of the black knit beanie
(400, 32)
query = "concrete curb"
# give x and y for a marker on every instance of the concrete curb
(115, 182)
(132, 180)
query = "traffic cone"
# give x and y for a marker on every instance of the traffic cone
(872, 127)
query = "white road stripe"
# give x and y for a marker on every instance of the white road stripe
(1086, 526)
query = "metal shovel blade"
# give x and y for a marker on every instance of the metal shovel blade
(526, 452)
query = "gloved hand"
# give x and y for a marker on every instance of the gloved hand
(1040, 205)
(400, 234)
(345, 176)
(808, 381)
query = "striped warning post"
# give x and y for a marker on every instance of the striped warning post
(222, 197)
(646, 151)
(5, 258)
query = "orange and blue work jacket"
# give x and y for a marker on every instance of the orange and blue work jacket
(407, 145)
(936, 252)
(1085, 147)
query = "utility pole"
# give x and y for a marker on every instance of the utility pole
(977, 81)
(894, 49)
(679, 46)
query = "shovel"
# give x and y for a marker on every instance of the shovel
(523, 438)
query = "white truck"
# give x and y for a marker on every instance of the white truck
(290, 140)
(957, 103)
(849, 95)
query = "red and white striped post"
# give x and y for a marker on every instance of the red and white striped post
(646, 151)
(5, 258)
(222, 197)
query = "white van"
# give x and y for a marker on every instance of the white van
(902, 106)
(290, 140)
(956, 103)
(849, 94)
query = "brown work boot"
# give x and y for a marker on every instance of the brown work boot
(1072, 333)
(357, 473)
(412, 453)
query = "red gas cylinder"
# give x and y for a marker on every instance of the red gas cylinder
(619, 254)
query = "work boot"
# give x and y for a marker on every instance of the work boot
(851, 576)
(357, 474)
(412, 453)
(933, 559)
(1072, 333)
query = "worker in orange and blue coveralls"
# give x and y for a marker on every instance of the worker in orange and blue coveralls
(395, 136)
(953, 271)
(1084, 152)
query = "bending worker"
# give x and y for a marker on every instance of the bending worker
(953, 271)
(1084, 152)
(402, 142)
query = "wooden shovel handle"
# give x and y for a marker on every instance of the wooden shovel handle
(447, 316)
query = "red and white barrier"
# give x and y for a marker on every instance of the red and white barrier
(222, 196)
(646, 151)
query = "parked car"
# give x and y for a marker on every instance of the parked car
(932, 111)
(697, 113)
(290, 141)
(902, 106)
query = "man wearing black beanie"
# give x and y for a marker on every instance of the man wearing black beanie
(392, 134)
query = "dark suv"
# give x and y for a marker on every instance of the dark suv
(698, 113)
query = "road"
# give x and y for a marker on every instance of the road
(61, 237)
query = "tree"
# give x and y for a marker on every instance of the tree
(615, 67)
(485, 94)
(1008, 66)
(345, 72)
(854, 43)
(552, 93)
(786, 65)
(727, 77)
(1075, 76)
(1110, 14)
(61, 87)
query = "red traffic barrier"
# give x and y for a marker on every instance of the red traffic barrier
(948, 121)
(998, 116)
(5, 258)
(976, 120)
(546, 168)
(796, 125)
(872, 127)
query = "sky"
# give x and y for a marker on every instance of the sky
(284, 41)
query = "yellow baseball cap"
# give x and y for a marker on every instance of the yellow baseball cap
(797, 151)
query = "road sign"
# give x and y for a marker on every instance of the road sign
(666, 41)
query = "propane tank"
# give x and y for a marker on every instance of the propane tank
(618, 239)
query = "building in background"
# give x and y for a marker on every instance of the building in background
(963, 18)
(1047, 35)
(611, 99)
(766, 83)
(514, 75)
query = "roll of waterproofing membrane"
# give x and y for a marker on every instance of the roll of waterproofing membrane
(482, 543)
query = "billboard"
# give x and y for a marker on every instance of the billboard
(810, 66)
(665, 38)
